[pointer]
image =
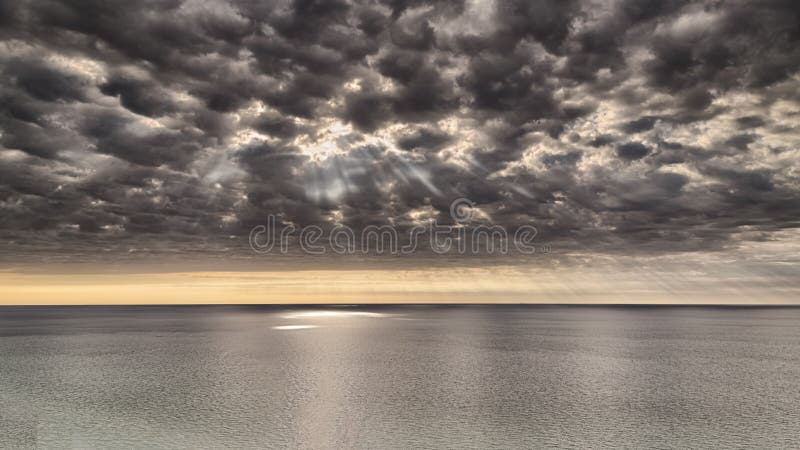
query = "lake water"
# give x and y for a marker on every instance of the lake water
(399, 377)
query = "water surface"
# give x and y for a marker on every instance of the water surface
(399, 377)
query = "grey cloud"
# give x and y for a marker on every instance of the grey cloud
(142, 97)
(424, 138)
(44, 82)
(750, 121)
(191, 120)
(641, 124)
(632, 150)
(742, 141)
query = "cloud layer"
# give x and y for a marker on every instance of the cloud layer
(612, 126)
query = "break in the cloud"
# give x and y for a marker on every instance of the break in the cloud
(641, 127)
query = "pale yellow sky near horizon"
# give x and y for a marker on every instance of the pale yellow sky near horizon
(497, 284)
(757, 273)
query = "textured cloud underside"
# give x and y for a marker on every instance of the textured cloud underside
(612, 126)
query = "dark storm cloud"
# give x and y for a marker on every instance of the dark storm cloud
(368, 110)
(139, 96)
(276, 125)
(742, 141)
(111, 133)
(642, 124)
(662, 125)
(632, 150)
(602, 140)
(43, 82)
(750, 121)
(423, 138)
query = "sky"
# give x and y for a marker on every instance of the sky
(652, 145)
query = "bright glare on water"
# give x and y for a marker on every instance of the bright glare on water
(399, 377)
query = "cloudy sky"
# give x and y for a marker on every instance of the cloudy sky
(653, 144)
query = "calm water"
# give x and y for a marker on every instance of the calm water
(399, 377)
